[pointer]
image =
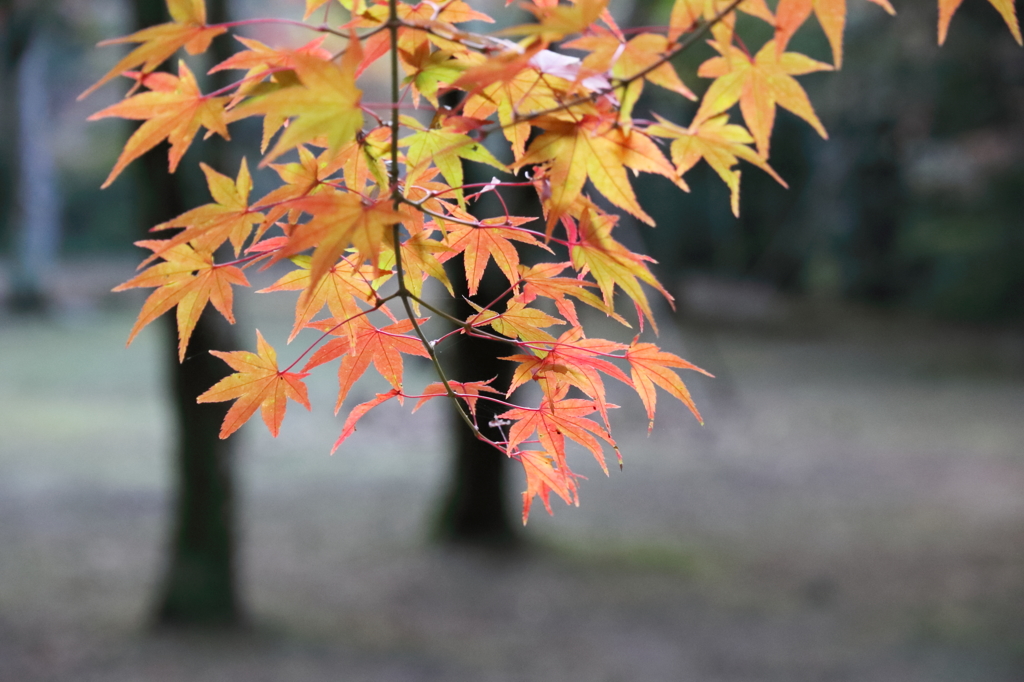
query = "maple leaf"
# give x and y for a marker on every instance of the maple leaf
(444, 148)
(517, 321)
(302, 178)
(542, 280)
(593, 147)
(557, 21)
(594, 251)
(543, 477)
(188, 29)
(468, 391)
(626, 60)
(338, 289)
(260, 61)
(229, 217)
(312, 6)
(340, 220)
(480, 244)
(383, 347)
(359, 411)
(256, 384)
(555, 420)
(758, 84)
(511, 86)
(791, 15)
(1005, 8)
(174, 109)
(650, 365)
(324, 104)
(719, 143)
(686, 13)
(419, 262)
(573, 360)
(188, 279)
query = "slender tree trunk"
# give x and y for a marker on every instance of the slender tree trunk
(200, 584)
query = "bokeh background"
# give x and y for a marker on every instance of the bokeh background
(853, 508)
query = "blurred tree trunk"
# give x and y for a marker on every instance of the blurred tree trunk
(200, 582)
(474, 509)
(35, 219)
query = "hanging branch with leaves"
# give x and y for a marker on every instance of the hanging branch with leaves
(373, 202)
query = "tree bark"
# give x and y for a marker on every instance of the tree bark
(200, 586)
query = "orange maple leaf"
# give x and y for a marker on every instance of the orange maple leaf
(573, 360)
(758, 84)
(359, 411)
(468, 391)
(188, 30)
(649, 366)
(719, 143)
(340, 220)
(592, 146)
(554, 421)
(383, 347)
(594, 251)
(480, 244)
(229, 217)
(188, 279)
(509, 85)
(543, 477)
(791, 15)
(338, 290)
(542, 280)
(686, 13)
(418, 261)
(1005, 8)
(256, 384)
(557, 21)
(173, 109)
(625, 60)
(325, 103)
(304, 177)
(517, 322)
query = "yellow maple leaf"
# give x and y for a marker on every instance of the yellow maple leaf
(188, 279)
(174, 109)
(758, 84)
(188, 30)
(719, 143)
(229, 217)
(257, 384)
(594, 147)
(325, 104)
(1005, 8)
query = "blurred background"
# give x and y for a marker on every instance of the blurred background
(853, 508)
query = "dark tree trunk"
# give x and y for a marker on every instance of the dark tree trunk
(474, 510)
(200, 582)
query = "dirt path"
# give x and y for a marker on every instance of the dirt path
(853, 511)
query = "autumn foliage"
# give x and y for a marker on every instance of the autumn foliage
(372, 199)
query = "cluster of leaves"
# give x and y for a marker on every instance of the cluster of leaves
(374, 202)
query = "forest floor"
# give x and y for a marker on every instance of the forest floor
(852, 511)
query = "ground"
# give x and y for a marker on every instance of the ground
(853, 510)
